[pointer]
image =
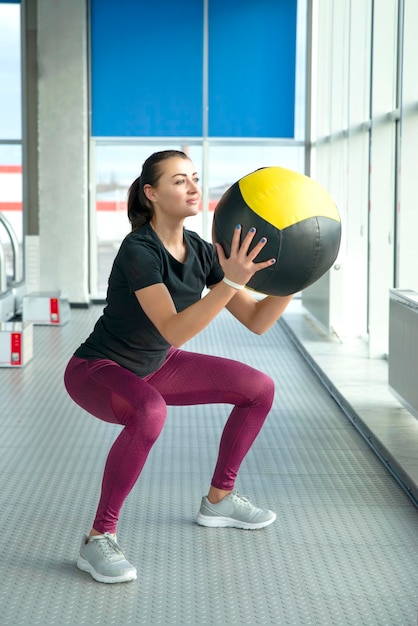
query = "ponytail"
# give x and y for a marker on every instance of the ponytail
(139, 207)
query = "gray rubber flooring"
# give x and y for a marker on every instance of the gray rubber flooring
(343, 550)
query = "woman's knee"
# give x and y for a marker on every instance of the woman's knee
(265, 387)
(255, 388)
(144, 419)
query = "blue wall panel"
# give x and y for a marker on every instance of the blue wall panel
(146, 68)
(252, 58)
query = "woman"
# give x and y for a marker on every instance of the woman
(131, 366)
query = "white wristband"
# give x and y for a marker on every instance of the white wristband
(231, 283)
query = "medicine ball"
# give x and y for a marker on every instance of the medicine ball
(299, 219)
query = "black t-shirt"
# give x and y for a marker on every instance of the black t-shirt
(124, 333)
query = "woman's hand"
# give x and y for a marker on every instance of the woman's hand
(240, 266)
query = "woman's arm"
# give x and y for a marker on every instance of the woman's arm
(257, 315)
(177, 328)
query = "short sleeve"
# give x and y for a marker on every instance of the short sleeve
(141, 263)
(216, 272)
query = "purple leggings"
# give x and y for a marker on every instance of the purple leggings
(117, 395)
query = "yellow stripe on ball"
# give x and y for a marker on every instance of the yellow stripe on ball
(283, 197)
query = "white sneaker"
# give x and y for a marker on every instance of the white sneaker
(234, 511)
(104, 560)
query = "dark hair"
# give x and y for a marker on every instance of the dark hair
(140, 209)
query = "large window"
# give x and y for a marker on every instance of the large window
(364, 131)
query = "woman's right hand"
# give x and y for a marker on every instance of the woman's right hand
(240, 266)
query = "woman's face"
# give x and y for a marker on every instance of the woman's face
(177, 193)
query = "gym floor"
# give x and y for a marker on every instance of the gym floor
(344, 547)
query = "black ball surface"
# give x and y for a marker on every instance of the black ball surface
(296, 215)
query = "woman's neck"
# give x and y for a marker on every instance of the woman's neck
(169, 234)
(172, 239)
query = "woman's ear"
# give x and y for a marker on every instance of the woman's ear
(149, 192)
